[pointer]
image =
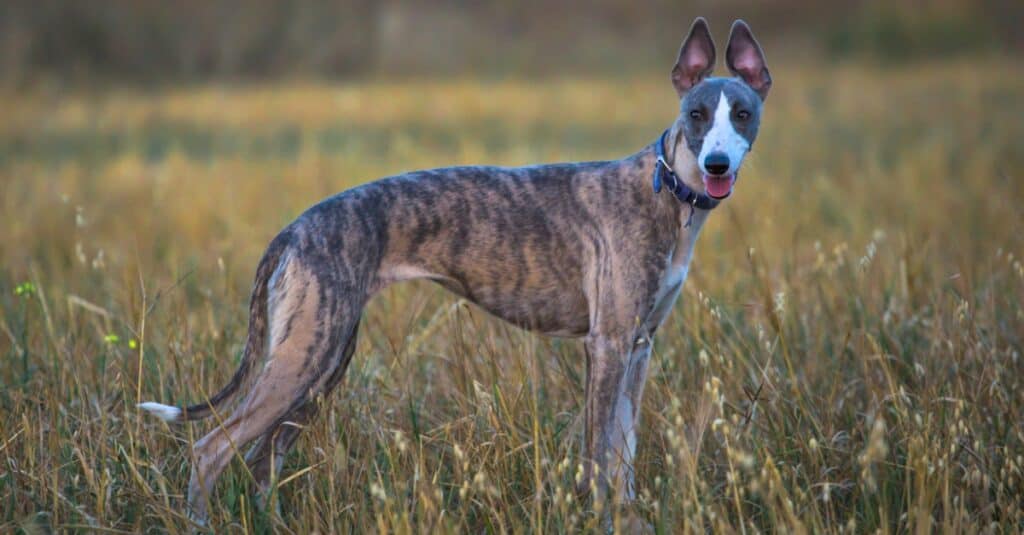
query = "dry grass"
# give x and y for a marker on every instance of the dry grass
(846, 355)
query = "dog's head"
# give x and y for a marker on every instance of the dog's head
(719, 117)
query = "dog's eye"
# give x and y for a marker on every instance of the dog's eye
(696, 115)
(743, 115)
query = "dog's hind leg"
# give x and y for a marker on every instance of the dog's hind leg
(267, 456)
(310, 324)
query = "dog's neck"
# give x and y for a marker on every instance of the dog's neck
(664, 204)
(682, 160)
(684, 164)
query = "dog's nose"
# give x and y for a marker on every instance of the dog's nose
(716, 163)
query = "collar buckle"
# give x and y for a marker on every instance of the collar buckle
(661, 160)
(674, 185)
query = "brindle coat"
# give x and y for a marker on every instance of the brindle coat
(578, 250)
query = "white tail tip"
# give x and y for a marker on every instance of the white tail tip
(166, 413)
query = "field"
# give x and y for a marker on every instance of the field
(845, 357)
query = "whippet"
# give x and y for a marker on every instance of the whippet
(595, 250)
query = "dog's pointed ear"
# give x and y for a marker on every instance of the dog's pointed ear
(744, 57)
(696, 58)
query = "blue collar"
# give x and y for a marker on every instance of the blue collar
(675, 185)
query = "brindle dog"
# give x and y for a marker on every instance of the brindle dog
(585, 250)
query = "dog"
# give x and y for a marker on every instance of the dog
(595, 250)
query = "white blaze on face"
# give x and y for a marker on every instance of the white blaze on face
(723, 138)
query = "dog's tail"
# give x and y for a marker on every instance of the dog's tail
(254, 346)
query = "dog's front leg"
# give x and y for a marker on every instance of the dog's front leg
(633, 390)
(616, 368)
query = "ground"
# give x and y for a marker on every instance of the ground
(846, 355)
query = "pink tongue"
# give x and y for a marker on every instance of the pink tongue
(719, 186)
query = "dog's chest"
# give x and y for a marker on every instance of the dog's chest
(677, 267)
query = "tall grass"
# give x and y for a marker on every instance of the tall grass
(846, 356)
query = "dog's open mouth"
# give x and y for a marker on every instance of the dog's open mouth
(719, 186)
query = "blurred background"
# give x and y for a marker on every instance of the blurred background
(155, 41)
